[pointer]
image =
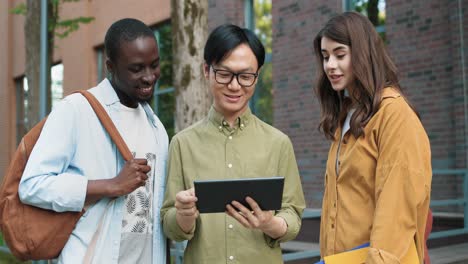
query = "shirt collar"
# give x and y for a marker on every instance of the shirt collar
(218, 119)
(107, 94)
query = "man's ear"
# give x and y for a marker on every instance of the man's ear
(258, 75)
(206, 70)
(259, 70)
(109, 66)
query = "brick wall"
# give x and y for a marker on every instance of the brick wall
(296, 109)
(424, 40)
(225, 11)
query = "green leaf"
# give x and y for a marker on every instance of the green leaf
(64, 27)
(20, 9)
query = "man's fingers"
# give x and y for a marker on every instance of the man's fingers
(254, 205)
(179, 205)
(188, 212)
(186, 197)
(144, 168)
(236, 215)
(141, 161)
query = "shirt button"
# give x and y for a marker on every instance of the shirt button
(231, 257)
(230, 226)
(339, 162)
(332, 226)
(230, 137)
(229, 165)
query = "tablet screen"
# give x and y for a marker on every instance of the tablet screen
(214, 195)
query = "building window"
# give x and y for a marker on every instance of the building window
(22, 103)
(258, 19)
(23, 110)
(100, 64)
(56, 83)
(373, 9)
(164, 97)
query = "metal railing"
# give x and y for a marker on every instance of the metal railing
(178, 250)
(463, 201)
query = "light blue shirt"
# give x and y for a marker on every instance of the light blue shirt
(73, 148)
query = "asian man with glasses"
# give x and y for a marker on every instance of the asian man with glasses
(231, 143)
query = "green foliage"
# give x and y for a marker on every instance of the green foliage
(370, 8)
(263, 23)
(263, 98)
(65, 27)
(166, 101)
(60, 28)
(365, 7)
(262, 101)
(20, 9)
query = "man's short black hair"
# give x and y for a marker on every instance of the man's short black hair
(225, 38)
(127, 29)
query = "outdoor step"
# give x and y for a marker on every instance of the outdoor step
(299, 246)
(449, 254)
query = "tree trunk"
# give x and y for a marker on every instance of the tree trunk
(32, 33)
(189, 27)
(373, 11)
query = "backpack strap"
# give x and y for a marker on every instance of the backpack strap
(88, 258)
(108, 125)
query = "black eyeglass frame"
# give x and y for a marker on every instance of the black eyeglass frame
(235, 74)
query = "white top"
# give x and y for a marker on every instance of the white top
(346, 127)
(137, 223)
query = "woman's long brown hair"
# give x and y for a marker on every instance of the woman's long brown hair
(372, 67)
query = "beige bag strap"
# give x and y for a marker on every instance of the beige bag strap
(108, 124)
(88, 258)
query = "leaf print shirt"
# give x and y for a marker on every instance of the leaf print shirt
(137, 228)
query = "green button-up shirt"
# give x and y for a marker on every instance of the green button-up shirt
(211, 149)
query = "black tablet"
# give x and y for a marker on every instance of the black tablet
(214, 195)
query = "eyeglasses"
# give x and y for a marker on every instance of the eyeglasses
(245, 79)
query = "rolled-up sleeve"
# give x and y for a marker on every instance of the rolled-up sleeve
(293, 203)
(49, 180)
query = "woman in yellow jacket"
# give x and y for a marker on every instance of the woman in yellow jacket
(378, 174)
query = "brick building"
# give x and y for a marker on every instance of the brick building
(427, 39)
